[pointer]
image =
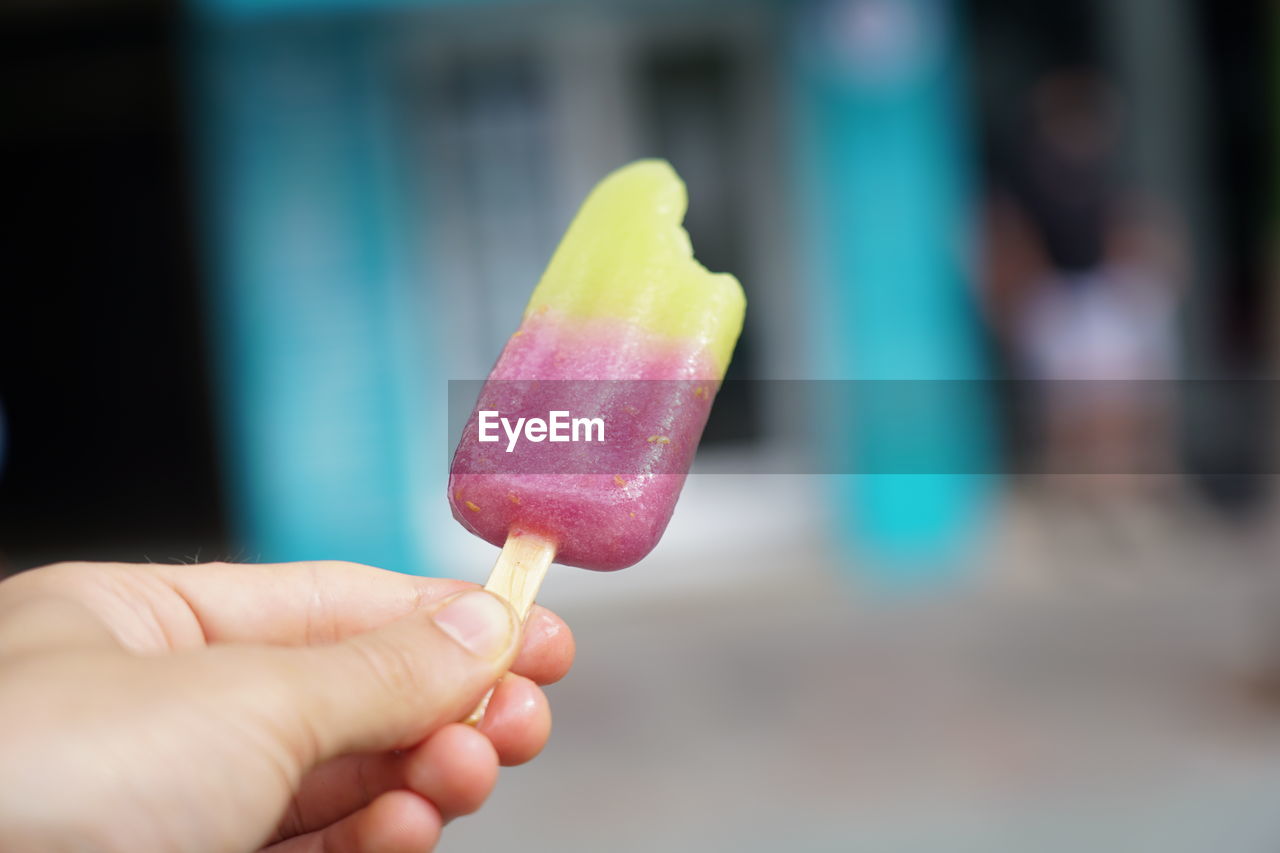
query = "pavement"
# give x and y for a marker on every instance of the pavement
(1107, 678)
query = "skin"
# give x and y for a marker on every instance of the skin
(293, 707)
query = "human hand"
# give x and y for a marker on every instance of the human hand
(221, 707)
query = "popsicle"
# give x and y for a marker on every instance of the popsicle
(624, 326)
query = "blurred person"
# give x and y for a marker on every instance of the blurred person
(296, 707)
(1081, 288)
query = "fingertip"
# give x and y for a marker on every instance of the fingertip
(517, 721)
(548, 649)
(480, 622)
(396, 822)
(403, 821)
(456, 768)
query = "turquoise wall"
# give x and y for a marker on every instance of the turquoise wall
(884, 166)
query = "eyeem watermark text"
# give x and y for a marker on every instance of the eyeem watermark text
(558, 426)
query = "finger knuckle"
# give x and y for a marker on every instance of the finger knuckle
(395, 669)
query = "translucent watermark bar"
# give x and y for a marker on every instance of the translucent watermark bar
(1081, 427)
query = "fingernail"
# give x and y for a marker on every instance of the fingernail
(479, 621)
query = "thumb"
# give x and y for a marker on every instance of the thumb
(391, 687)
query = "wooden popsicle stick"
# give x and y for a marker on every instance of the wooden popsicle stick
(516, 577)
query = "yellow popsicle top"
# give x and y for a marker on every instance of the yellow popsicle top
(626, 256)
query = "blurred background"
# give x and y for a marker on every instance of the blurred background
(249, 242)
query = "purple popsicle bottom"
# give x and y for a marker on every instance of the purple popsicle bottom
(605, 503)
